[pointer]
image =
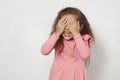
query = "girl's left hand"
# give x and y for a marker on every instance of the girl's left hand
(73, 25)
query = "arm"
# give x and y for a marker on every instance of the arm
(48, 46)
(83, 45)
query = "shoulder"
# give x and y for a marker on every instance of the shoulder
(86, 37)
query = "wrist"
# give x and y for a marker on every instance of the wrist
(57, 34)
(75, 33)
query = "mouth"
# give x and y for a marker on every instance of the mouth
(67, 33)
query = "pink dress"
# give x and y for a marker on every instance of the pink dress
(69, 64)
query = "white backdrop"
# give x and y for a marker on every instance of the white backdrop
(25, 25)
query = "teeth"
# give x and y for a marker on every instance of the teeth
(67, 32)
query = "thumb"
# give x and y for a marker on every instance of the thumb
(78, 25)
(81, 27)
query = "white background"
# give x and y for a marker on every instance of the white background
(26, 24)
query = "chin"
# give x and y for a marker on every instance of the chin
(68, 38)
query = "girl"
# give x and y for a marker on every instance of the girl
(71, 38)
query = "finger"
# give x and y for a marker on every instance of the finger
(65, 25)
(81, 26)
(74, 20)
(63, 20)
(78, 24)
(70, 20)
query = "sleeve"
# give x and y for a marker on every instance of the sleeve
(48, 46)
(83, 44)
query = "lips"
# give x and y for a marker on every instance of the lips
(67, 33)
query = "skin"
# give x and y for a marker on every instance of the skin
(68, 27)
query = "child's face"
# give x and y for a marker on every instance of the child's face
(67, 35)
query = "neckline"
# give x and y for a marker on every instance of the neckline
(69, 41)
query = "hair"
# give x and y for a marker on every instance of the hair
(82, 21)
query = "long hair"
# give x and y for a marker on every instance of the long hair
(82, 21)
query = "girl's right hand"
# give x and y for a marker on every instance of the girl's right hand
(61, 25)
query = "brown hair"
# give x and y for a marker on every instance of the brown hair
(80, 17)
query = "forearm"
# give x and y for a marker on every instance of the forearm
(83, 48)
(48, 46)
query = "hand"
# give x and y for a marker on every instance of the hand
(61, 25)
(73, 25)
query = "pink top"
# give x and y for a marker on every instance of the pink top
(75, 51)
